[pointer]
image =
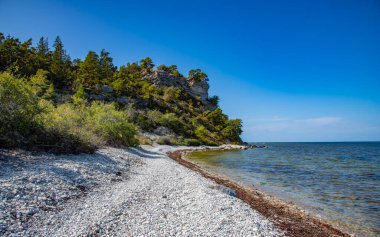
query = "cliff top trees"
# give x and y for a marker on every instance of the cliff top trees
(172, 70)
(197, 75)
(147, 64)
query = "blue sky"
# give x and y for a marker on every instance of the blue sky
(292, 70)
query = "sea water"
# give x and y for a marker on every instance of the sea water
(337, 181)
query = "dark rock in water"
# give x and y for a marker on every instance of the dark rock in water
(257, 146)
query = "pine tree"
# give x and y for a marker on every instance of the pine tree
(60, 64)
(43, 46)
(197, 75)
(147, 64)
(107, 68)
(89, 70)
(42, 52)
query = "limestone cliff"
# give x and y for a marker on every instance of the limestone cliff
(195, 88)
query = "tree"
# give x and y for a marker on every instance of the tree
(214, 100)
(60, 64)
(172, 70)
(43, 46)
(197, 75)
(40, 86)
(147, 64)
(79, 98)
(1, 38)
(17, 57)
(43, 53)
(107, 68)
(233, 130)
(217, 118)
(89, 70)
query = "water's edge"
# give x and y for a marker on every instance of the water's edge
(286, 216)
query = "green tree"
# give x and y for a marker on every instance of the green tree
(43, 47)
(60, 65)
(17, 57)
(172, 70)
(214, 100)
(43, 53)
(1, 38)
(107, 68)
(197, 75)
(147, 64)
(89, 70)
(41, 87)
(217, 118)
(79, 98)
(233, 130)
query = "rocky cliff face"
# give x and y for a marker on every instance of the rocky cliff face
(194, 88)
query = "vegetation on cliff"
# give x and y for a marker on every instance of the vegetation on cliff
(51, 102)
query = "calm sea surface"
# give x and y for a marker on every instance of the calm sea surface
(339, 182)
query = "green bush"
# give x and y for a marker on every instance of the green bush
(98, 124)
(22, 121)
(167, 141)
(170, 120)
(111, 125)
(18, 109)
(205, 136)
(191, 142)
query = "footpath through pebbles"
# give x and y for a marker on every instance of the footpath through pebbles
(117, 192)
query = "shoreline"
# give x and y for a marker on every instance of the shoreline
(288, 217)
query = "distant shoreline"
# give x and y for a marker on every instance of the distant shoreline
(290, 218)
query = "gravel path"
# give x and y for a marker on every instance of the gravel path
(117, 192)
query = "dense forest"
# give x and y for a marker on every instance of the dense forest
(50, 102)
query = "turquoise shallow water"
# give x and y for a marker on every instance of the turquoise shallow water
(336, 181)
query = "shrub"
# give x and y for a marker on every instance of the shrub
(167, 141)
(70, 120)
(170, 120)
(143, 140)
(191, 142)
(111, 125)
(98, 124)
(205, 136)
(18, 108)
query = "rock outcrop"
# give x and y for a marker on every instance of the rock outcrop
(195, 88)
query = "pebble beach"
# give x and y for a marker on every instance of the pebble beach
(118, 192)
